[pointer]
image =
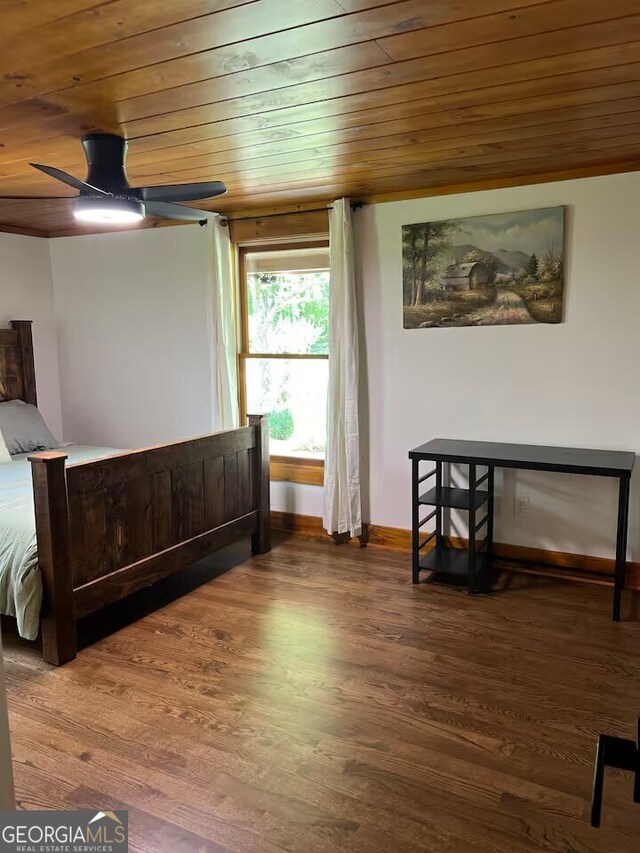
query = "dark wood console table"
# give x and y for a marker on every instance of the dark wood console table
(474, 565)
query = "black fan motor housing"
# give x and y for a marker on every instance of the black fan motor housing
(106, 153)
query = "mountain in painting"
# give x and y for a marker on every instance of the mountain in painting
(507, 261)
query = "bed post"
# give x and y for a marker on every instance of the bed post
(23, 328)
(52, 533)
(261, 539)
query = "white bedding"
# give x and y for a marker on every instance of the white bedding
(20, 581)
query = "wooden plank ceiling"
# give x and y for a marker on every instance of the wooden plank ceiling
(296, 102)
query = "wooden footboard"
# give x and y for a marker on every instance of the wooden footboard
(112, 526)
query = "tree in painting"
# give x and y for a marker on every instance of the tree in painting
(486, 270)
(423, 247)
(550, 266)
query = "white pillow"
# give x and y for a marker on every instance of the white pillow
(23, 428)
(5, 456)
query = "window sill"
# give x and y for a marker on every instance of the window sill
(292, 470)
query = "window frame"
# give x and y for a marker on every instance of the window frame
(293, 469)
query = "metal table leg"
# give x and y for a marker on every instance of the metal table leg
(439, 506)
(472, 585)
(490, 508)
(415, 530)
(621, 545)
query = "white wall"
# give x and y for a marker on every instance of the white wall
(134, 319)
(26, 294)
(567, 384)
(296, 498)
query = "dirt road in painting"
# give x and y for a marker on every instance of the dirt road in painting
(506, 309)
(477, 308)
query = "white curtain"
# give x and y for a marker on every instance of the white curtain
(342, 500)
(225, 372)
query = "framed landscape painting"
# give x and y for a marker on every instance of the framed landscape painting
(505, 268)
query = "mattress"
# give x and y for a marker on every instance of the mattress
(20, 579)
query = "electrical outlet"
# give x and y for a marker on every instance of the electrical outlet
(523, 504)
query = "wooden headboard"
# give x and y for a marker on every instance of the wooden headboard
(17, 370)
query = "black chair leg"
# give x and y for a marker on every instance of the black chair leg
(614, 752)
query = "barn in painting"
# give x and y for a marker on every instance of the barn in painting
(468, 276)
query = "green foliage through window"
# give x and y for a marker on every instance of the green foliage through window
(281, 425)
(288, 312)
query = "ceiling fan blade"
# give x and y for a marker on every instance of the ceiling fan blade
(180, 192)
(166, 210)
(76, 183)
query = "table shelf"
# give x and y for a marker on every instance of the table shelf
(443, 562)
(446, 561)
(453, 498)
(452, 565)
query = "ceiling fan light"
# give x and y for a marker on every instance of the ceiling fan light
(108, 210)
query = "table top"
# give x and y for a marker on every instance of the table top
(577, 460)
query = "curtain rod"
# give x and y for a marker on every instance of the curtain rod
(355, 205)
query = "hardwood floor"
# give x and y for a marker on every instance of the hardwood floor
(311, 699)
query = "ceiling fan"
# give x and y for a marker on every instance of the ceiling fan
(106, 196)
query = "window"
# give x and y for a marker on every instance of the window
(283, 359)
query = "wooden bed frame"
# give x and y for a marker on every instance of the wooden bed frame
(112, 526)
